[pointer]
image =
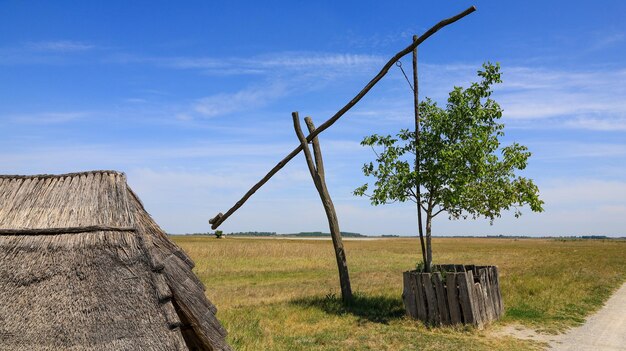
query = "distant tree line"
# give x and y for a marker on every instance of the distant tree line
(252, 233)
(321, 234)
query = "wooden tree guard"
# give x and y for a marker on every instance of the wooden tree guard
(454, 294)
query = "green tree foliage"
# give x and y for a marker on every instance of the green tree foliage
(463, 169)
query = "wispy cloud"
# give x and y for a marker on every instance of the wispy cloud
(536, 97)
(559, 150)
(48, 117)
(243, 100)
(614, 123)
(607, 40)
(305, 60)
(255, 65)
(60, 46)
(591, 100)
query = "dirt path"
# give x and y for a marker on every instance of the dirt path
(603, 331)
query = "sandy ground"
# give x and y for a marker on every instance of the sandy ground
(605, 330)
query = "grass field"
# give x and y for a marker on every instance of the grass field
(284, 294)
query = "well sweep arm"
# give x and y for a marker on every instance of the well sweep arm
(220, 218)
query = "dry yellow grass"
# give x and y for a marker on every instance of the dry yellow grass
(281, 294)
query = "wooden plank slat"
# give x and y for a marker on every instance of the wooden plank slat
(479, 306)
(419, 296)
(431, 300)
(442, 299)
(492, 290)
(448, 267)
(453, 298)
(408, 295)
(487, 295)
(465, 297)
(498, 291)
(469, 275)
(471, 267)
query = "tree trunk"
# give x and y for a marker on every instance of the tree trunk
(317, 173)
(429, 248)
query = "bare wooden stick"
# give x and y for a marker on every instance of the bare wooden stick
(220, 217)
(69, 230)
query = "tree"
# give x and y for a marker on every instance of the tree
(218, 234)
(461, 167)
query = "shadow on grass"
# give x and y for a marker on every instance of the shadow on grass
(378, 309)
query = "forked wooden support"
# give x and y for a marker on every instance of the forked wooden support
(221, 217)
(316, 168)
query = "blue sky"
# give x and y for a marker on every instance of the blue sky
(193, 100)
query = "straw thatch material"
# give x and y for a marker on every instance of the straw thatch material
(84, 267)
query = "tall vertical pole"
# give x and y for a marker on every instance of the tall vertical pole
(417, 157)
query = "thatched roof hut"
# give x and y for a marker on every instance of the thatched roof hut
(84, 267)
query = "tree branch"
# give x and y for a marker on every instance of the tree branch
(438, 212)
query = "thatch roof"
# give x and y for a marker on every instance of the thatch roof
(84, 267)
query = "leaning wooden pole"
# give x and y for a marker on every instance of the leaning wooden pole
(221, 217)
(316, 168)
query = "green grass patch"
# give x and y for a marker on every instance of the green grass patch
(284, 294)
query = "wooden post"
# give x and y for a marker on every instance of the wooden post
(316, 168)
(417, 156)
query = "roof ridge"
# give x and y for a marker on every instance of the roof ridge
(73, 174)
(65, 230)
